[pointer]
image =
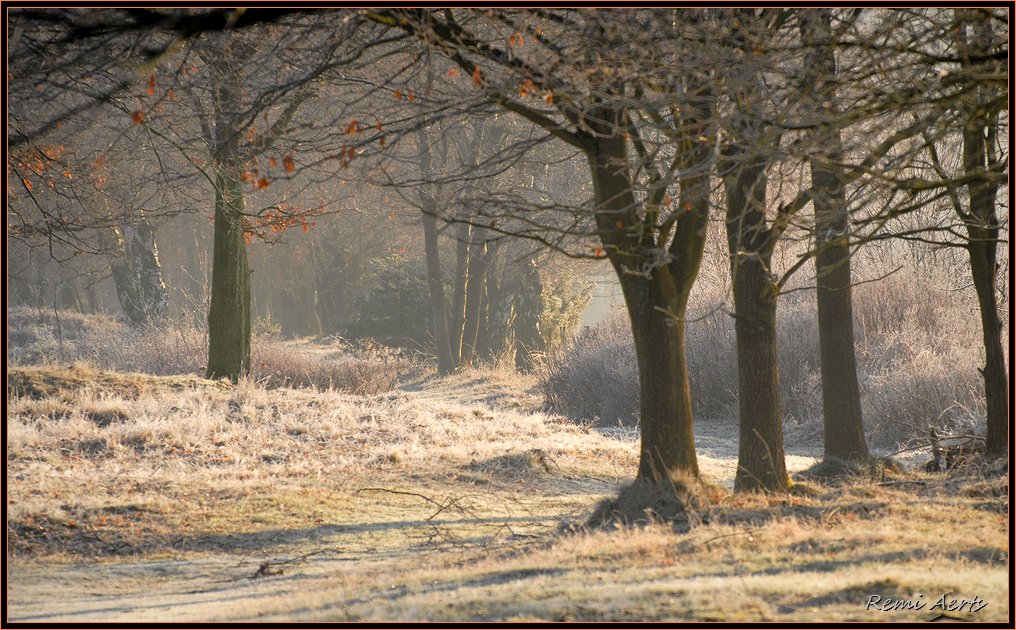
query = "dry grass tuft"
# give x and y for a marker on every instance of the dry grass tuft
(516, 465)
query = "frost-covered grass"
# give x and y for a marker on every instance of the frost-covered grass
(136, 497)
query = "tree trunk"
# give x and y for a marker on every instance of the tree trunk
(657, 320)
(435, 283)
(980, 133)
(229, 325)
(194, 267)
(761, 462)
(429, 193)
(463, 234)
(841, 394)
(996, 379)
(528, 299)
(475, 289)
(656, 303)
(137, 273)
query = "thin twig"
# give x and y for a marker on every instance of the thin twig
(745, 533)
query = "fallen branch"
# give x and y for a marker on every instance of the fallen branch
(266, 569)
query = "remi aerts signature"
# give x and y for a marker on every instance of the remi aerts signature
(945, 603)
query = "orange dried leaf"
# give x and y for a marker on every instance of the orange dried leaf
(598, 251)
(272, 163)
(263, 183)
(454, 72)
(476, 75)
(138, 117)
(27, 183)
(288, 164)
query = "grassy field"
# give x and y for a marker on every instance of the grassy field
(146, 498)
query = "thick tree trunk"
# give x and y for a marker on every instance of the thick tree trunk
(435, 283)
(229, 313)
(656, 300)
(657, 319)
(996, 379)
(761, 462)
(841, 393)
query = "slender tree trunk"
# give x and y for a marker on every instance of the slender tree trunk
(463, 236)
(70, 299)
(982, 235)
(196, 277)
(429, 192)
(528, 299)
(437, 297)
(841, 393)
(475, 289)
(493, 334)
(980, 134)
(761, 462)
(229, 313)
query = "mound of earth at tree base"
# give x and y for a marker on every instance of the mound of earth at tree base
(835, 469)
(642, 502)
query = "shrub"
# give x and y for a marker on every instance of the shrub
(38, 337)
(918, 350)
(362, 370)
